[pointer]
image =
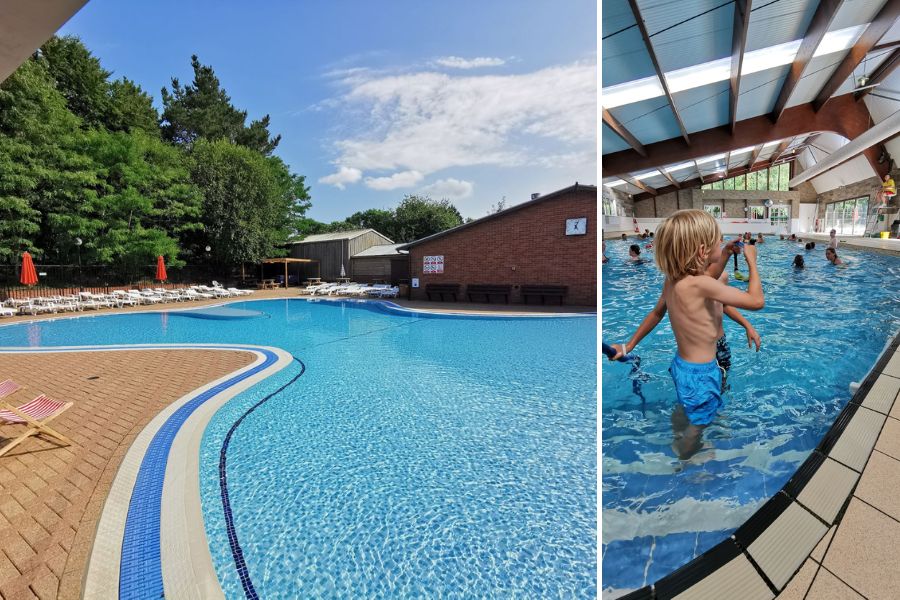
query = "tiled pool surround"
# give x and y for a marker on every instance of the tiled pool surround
(150, 541)
(762, 556)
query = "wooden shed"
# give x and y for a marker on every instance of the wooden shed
(334, 250)
(382, 263)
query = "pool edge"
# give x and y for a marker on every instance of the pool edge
(732, 561)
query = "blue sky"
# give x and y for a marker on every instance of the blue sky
(471, 101)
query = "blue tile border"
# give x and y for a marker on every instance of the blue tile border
(236, 551)
(140, 575)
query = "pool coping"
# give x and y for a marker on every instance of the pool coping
(184, 554)
(185, 559)
(769, 549)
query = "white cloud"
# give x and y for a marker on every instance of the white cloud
(449, 188)
(455, 62)
(397, 180)
(429, 121)
(344, 176)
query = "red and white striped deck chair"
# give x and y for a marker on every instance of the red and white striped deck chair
(8, 387)
(36, 415)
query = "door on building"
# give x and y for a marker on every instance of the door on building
(807, 217)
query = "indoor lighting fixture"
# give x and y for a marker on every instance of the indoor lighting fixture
(715, 71)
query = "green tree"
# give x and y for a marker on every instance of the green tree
(250, 203)
(44, 170)
(143, 201)
(79, 78)
(420, 216)
(203, 110)
(382, 221)
(130, 108)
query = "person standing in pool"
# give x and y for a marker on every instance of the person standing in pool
(634, 253)
(833, 242)
(798, 262)
(605, 258)
(831, 255)
(686, 245)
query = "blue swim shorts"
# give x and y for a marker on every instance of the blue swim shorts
(699, 389)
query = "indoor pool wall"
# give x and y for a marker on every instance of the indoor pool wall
(659, 513)
(414, 456)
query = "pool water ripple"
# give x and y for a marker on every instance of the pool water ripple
(821, 329)
(451, 457)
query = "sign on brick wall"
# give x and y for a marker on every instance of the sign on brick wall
(433, 264)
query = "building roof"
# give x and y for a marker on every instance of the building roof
(337, 235)
(381, 250)
(502, 213)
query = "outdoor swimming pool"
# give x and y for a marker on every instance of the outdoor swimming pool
(405, 456)
(821, 328)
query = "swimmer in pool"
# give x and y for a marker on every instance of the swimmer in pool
(605, 258)
(832, 256)
(686, 247)
(624, 237)
(634, 253)
(798, 262)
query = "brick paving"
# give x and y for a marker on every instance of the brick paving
(52, 496)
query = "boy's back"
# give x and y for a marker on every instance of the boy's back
(696, 320)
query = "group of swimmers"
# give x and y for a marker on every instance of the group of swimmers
(831, 254)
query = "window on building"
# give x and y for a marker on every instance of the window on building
(757, 212)
(775, 179)
(713, 209)
(848, 217)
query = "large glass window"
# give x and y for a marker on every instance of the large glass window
(757, 212)
(774, 178)
(848, 217)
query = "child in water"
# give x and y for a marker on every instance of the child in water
(798, 262)
(686, 247)
(634, 252)
(831, 255)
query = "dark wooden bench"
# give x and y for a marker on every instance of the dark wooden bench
(487, 290)
(450, 289)
(543, 292)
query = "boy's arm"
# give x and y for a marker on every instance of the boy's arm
(752, 335)
(717, 268)
(752, 299)
(647, 325)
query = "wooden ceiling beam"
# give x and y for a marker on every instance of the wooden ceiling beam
(623, 133)
(647, 189)
(727, 162)
(880, 74)
(817, 29)
(841, 115)
(659, 72)
(698, 181)
(755, 155)
(699, 172)
(738, 43)
(671, 179)
(879, 26)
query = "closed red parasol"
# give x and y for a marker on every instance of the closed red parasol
(29, 275)
(161, 269)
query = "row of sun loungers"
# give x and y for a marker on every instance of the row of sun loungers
(117, 299)
(353, 289)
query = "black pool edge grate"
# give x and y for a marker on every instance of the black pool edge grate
(713, 559)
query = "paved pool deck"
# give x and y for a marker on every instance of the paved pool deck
(51, 496)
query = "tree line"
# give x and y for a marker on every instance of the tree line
(90, 168)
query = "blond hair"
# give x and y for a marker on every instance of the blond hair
(678, 241)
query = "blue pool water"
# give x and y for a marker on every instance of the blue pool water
(414, 456)
(821, 329)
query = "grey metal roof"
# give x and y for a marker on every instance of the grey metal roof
(381, 250)
(337, 235)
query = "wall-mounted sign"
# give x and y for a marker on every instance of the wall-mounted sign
(433, 264)
(415, 282)
(576, 226)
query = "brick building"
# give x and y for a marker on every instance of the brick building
(550, 240)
